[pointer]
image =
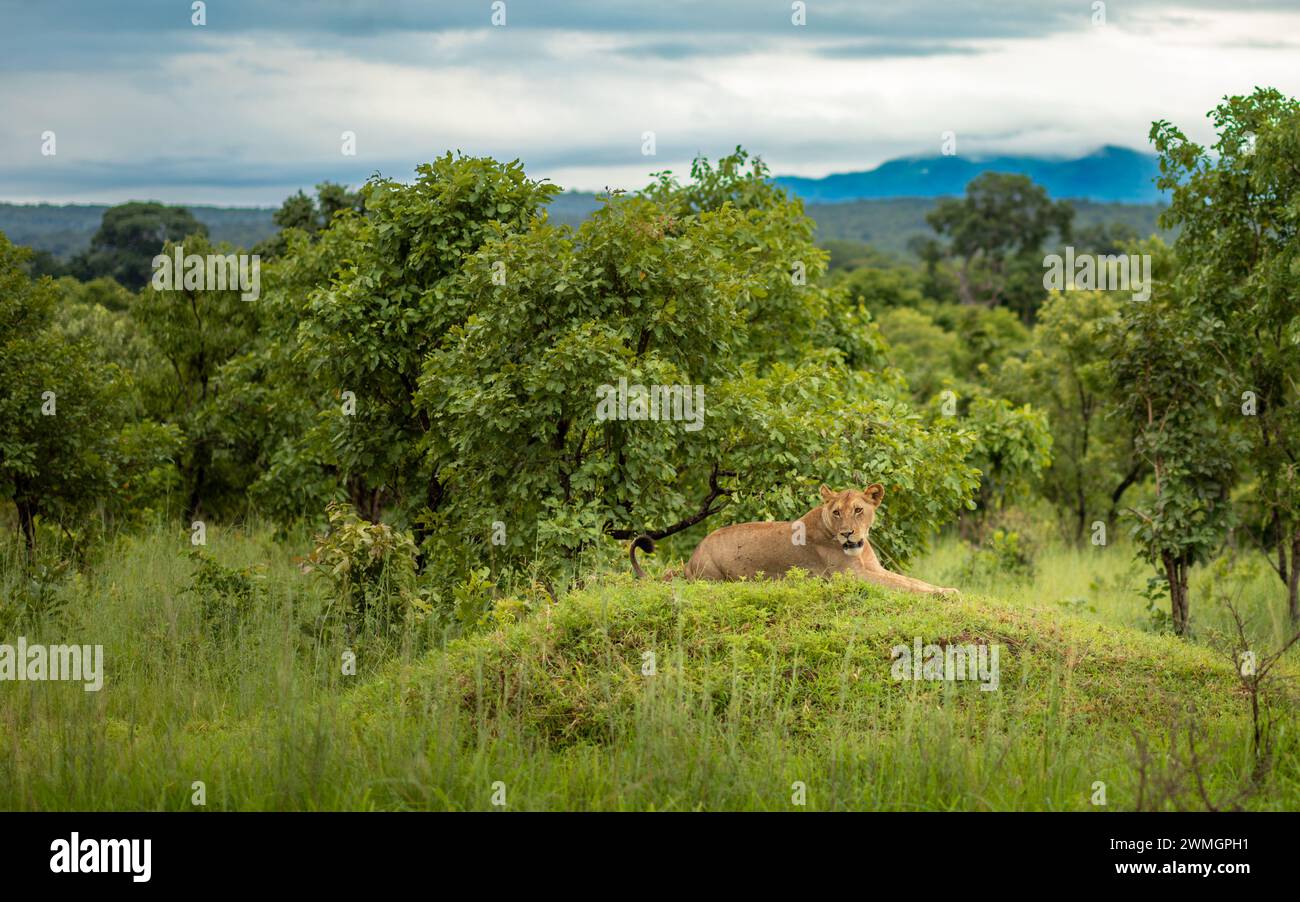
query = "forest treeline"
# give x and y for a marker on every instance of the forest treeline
(428, 355)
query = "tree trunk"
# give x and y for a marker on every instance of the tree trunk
(365, 500)
(1293, 580)
(198, 487)
(1081, 517)
(963, 283)
(1176, 572)
(27, 521)
(1129, 478)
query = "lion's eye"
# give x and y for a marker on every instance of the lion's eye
(857, 512)
(836, 513)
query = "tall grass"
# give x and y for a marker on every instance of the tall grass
(757, 689)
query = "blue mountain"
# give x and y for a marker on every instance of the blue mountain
(1110, 174)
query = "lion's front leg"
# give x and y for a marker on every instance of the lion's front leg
(883, 577)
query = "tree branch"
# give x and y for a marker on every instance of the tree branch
(706, 510)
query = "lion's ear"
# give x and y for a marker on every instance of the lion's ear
(875, 493)
(827, 494)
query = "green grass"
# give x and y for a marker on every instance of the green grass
(1106, 584)
(756, 687)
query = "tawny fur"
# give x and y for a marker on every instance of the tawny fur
(834, 540)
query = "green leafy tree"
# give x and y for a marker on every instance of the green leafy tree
(102, 292)
(996, 234)
(275, 403)
(846, 256)
(45, 263)
(310, 216)
(988, 337)
(786, 310)
(369, 328)
(1240, 238)
(93, 315)
(1067, 375)
(945, 347)
(1013, 446)
(927, 354)
(1168, 359)
(60, 409)
(129, 238)
(195, 331)
(1105, 238)
(881, 288)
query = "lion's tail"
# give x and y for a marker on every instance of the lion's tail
(646, 544)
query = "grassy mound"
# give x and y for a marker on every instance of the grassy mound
(756, 686)
(799, 654)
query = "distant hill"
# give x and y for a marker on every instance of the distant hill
(889, 223)
(572, 207)
(884, 207)
(1111, 174)
(66, 229)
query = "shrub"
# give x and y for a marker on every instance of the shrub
(33, 591)
(1005, 556)
(226, 594)
(371, 567)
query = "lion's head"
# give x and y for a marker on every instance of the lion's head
(848, 515)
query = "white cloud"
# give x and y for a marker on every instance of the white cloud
(251, 116)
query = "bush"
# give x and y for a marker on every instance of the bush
(226, 595)
(371, 567)
(1004, 556)
(34, 591)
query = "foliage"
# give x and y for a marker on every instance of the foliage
(1067, 375)
(880, 288)
(996, 233)
(1004, 556)
(371, 567)
(60, 408)
(929, 355)
(227, 595)
(1012, 448)
(767, 241)
(129, 237)
(195, 331)
(988, 337)
(1240, 247)
(1168, 355)
(300, 213)
(277, 404)
(1157, 592)
(369, 328)
(35, 590)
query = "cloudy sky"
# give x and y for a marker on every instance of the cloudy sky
(253, 105)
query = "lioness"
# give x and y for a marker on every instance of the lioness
(830, 538)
